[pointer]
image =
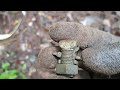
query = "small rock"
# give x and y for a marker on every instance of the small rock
(32, 58)
(24, 13)
(40, 13)
(7, 55)
(23, 46)
(33, 19)
(69, 15)
(30, 24)
(31, 71)
(2, 47)
(118, 13)
(26, 57)
(88, 21)
(106, 22)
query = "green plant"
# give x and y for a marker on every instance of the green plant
(11, 74)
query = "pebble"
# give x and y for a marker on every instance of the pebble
(31, 71)
(88, 21)
(32, 58)
(118, 13)
(22, 62)
(107, 22)
(24, 13)
(30, 24)
(40, 13)
(33, 19)
(7, 55)
(23, 46)
(26, 57)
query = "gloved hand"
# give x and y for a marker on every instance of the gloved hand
(47, 64)
(86, 37)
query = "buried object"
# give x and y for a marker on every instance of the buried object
(67, 64)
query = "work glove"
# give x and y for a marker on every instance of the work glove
(95, 48)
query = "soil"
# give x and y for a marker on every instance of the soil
(28, 44)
